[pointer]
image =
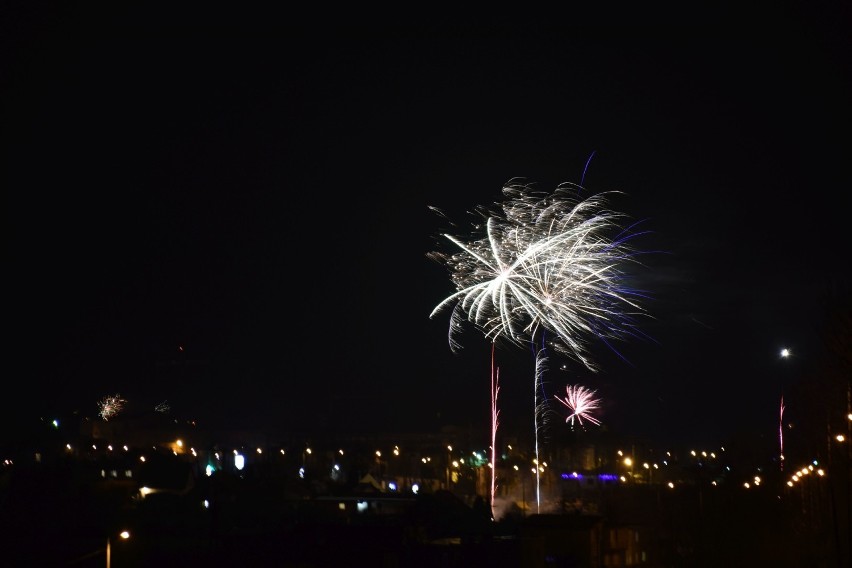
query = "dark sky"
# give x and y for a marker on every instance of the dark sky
(236, 220)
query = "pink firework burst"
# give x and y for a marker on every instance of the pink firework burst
(581, 401)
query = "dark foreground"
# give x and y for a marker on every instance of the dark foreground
(43, 523)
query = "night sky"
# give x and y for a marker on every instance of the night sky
(237, 220)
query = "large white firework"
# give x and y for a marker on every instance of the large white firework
(546, 261)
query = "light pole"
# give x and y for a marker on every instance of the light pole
(124, 535)
(449, 461)
(785, 353)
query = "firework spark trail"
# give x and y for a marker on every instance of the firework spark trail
(781, 435)
(540, 407)
(581, 401)
(110, 406)
(495, 413)
(586, 168)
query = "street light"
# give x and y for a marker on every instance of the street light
(449, 459)
(123, 535)
(784, 354)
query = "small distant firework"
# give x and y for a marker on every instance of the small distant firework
(581, 401)
(162, 407)
(110, 406)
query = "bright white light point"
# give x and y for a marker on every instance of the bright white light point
(239, 461)
(785, 352)
(208, 470)
(671, 485)
(124, 534)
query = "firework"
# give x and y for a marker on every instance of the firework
(110, 406)
(581, 401)
(545, 262)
